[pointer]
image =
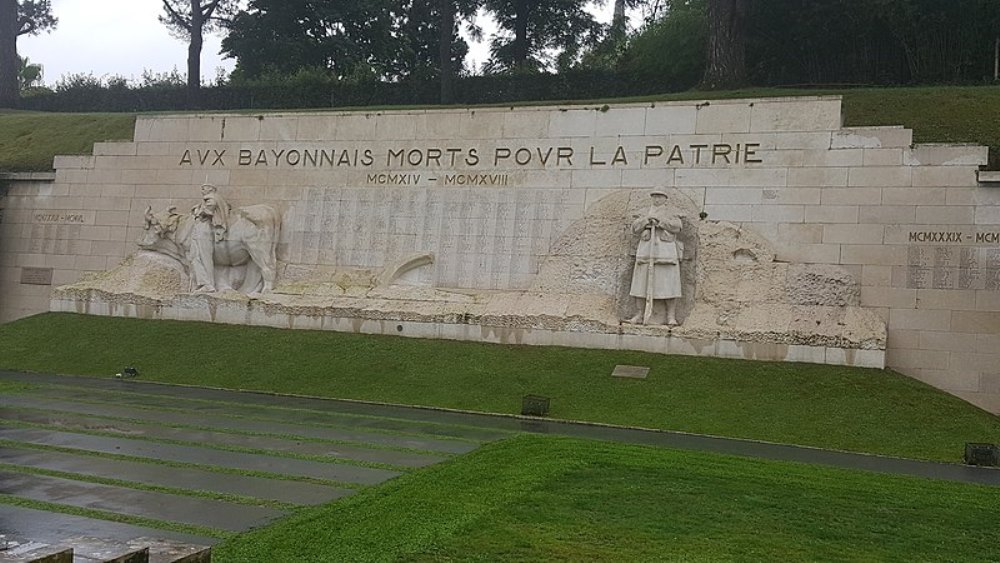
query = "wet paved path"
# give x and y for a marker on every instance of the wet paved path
(226, 461)
(212, 462)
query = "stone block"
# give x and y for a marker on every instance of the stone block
(851, 196)
(817, 177)
(853, 234)
(887, 214)
(948, 379)
(206, 128)
(947, 341)
(988, 215)
(163, 129)
(240, 128)
(832, 213)
(279, 128)
(962, 196)
(922, 319)
(620, 122)
(872, 254)
(61, 162)
(114, 149)
(718, 116)
(944, 215)
(872, 138)
(880, 176)
(913, 196)
(916, 359)
(788, 115)
(888, 297)
(777, 213)
(903, 338)
(733, 196)
(942, 176)
(883, 157)
(671, 119)
(573, 123)
(525, 125)
(946, 155)
(792, 196)
(808, 354)
(986, 300)
(953, 299)
(840, 158)
(805, 143)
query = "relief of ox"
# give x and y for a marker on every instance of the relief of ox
(222, 249)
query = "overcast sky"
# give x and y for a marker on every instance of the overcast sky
(124, 37)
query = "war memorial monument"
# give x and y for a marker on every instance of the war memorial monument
(757, 229)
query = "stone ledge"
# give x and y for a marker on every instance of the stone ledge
(574, 332)
(989, 177)
(28, 176)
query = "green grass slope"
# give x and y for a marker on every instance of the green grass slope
(29, 141)
(535, 498)
(824, 406)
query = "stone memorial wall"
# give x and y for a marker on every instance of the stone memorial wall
(791, 237)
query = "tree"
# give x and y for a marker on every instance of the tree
(190, 19)
(29, 75)
(530, 30)
(285, 36)
(27, 17)
(450, 12)
(727, 39)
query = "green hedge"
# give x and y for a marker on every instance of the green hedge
(321, 93)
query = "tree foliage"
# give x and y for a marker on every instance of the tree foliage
(540, 34)
(29, 75)
(374, 39)
(190, 19)
(670, 51)
(24, 17)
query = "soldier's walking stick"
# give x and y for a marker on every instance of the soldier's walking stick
(650, 266)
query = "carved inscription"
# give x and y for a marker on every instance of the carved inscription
(444, 158)
(58, 231)
(483, 239)
(953, 267)
(36, 276)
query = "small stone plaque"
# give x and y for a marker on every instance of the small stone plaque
(36, 276)
(632, 372)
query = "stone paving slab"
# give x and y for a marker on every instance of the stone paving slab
(279, 411)
(225, 422)
(25, 525)
(209, 513)
(293, 492)
(501, 425)
(145, 430)
(203, 456)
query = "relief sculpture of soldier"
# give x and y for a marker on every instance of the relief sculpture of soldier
(657, 273)
(211, 227)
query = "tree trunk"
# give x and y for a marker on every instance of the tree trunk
(446, 9)
(521, 14)
(194, 55)
(9, 92)
(726, 67)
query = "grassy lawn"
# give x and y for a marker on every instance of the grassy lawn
(824, 406)
(28, 141)
(535, 498)
(964, 114)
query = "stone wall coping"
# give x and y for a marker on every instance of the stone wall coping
(592, 106)
(28, 176)
(991, 177)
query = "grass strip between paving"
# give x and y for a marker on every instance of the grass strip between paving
(199, 493)
(211, 445)
(183, 465)
(114, 517)
(541, 498)
(823, 406)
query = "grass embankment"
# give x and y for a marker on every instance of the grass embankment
(823, 406)
(29, 141)
(535, 498)
(937, 114)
